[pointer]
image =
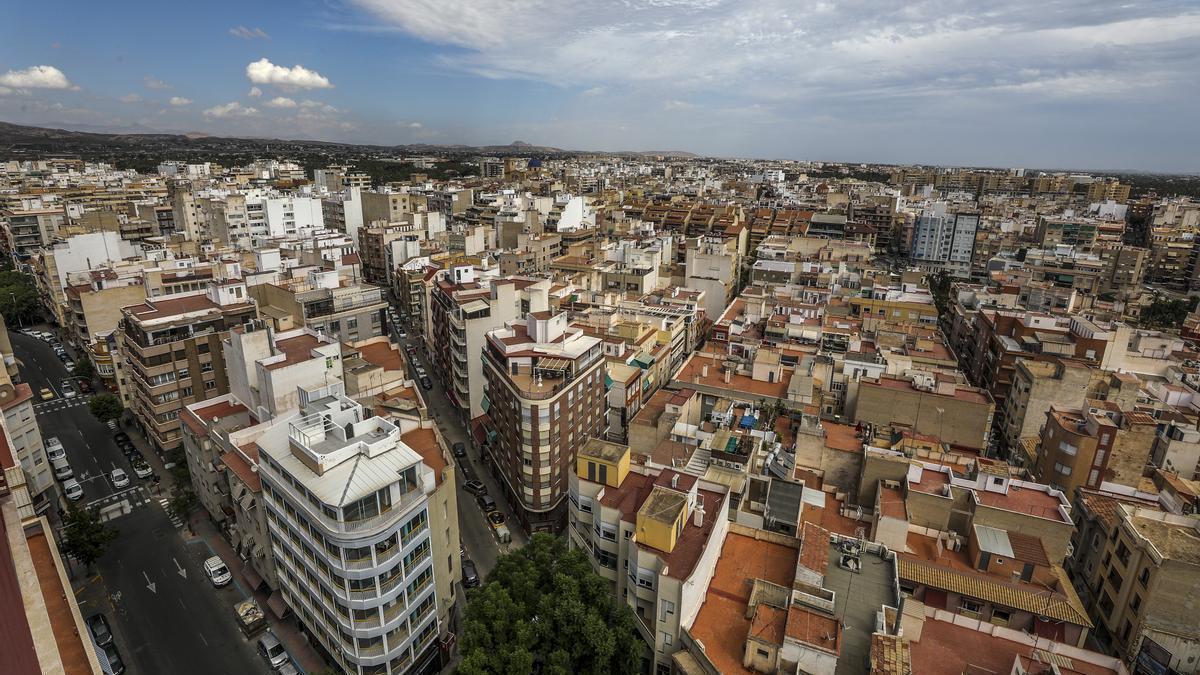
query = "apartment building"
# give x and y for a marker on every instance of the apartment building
(944, 240)
(323, 300)
(1145, 561)
(1094, 444)
(1036, 386)
(655, 535)
(55, 263)
(928, 403)
(348, 507)
(44, 631)
(25, 441)
(713, 265)
(545, 397)
(464, 306)
(28, 229)
(171, 353)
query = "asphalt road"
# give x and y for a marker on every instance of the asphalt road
(165, 614)
(474, 531)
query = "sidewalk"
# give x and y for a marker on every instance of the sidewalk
(285, 629)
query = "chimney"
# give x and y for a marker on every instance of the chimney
(675, 481)
(728, 374)
(704, 371)
(698, 514)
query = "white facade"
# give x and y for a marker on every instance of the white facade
(945, 240)
(348, 512)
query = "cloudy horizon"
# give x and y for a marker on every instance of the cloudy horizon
(1059, 84)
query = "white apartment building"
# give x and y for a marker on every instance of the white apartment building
(348, 507)
(944, 240)
(27, 448)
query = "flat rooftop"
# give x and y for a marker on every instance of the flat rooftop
(860, 596)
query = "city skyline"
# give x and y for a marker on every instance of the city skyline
(1010, 85)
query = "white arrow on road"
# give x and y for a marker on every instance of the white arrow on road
(150, 584)
(179, 568)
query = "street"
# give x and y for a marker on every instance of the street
(165, 615)
(474, 530)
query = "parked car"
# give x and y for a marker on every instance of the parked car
(120, 436)
(475, 487)
(85, 386)
(486, 503)
(411, 349)
(426, 383)
(496, 519)
(54, 449)
(459, 450)
(402, 335)
(288, 668)
(470, 574)
(72, 489)
(98, 626)
(120, 479)
(62, 470)
(142, 469)
(46, 393)
(67, 390)
(271, 649)
(69, 364)
(217, 572)
(114, 659)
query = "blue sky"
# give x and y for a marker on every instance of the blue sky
(1051, 83)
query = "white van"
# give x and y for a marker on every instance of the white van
(62, 469)
(55, 450)
(72, 489)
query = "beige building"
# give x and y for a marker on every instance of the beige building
(956, 413)
(171, 353)
(1036, 386)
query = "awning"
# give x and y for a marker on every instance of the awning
(278, 607)
(252, 577)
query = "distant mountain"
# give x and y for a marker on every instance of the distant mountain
(77, 138)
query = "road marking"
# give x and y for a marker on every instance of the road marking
(150, 584)
(179, 568)
(202, 639)
(181, 603)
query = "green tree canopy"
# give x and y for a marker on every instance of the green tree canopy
(85, 538)
(1166, 313)
(19, 301)
(544, 610)
(84, 368)
(105, 407)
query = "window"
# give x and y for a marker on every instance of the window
(665, 638)
(1000, 617)
(970, 607)
(668, 608)
(1144, 577)
(1062, 468)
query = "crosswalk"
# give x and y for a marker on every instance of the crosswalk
(124, 502)
(58, 404)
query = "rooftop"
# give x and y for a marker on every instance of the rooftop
(948, 648)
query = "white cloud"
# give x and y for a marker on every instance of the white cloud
(281, 102)
(36, 77)
(594, 91)
(129, 98)
(296, 77)
(774, 50)
(179, 101)
(414, 125)
(249, 33)
(154, 83)
(254, 92)
(311, 105)
(231, 109)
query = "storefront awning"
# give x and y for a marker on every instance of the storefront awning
(251, 577)
(278, 607)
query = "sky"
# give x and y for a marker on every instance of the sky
(1080, 84)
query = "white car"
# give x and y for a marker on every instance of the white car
(63, 471)
(72, 489)
(120, 479)
(54, 449)
(217, 572)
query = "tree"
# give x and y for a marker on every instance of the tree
(544, 609)
(939, 286)
(19, 301)
(85, 538)
(105, 407)
(1165, 313)
(84, 368)
(183, 497)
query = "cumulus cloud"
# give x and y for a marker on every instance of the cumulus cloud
(154, 83)
(281, 102)
(784, 50)
(414, 125)
(129, 98)
(231, 109)
(263, 71)
(254, 92)
(36, 77)
(249, 33)
(179, 101)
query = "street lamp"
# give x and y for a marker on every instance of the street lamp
(20, 323)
